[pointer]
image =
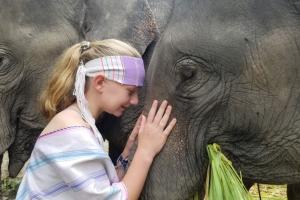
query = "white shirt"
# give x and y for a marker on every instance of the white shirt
(70, 164)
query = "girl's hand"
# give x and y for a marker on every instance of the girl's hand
(132, 138)
(154, 130)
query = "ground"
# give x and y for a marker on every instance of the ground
(269, 192)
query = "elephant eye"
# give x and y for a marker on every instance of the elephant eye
(186, 69)
(194, 71)
(10, 75)
(187, 73)
(3, 61)
(6, 61)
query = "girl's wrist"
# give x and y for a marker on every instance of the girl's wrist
(145, 155)
(122, 162)
(125, 153)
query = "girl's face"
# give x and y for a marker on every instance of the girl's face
(117, 97)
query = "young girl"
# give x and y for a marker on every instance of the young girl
(68, 160)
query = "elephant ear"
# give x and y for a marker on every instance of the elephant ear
(131, 21)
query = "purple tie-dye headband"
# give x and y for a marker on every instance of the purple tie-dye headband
(123, 69)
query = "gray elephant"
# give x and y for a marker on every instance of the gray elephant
(231, 71)
(32, 34)
(233, 77)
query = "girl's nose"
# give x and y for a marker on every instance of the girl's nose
(134, 100)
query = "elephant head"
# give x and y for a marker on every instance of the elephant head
(231, 71)
(32, 34)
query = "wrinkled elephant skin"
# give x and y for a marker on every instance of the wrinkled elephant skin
(32, 34)
(231, 71)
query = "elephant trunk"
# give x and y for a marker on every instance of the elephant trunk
(7, 131)
(177, 172)
(8, 127)
(29, 127)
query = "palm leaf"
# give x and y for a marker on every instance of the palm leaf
(222, 181)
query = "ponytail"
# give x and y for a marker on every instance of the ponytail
(58, 93)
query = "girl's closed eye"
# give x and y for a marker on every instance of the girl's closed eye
(131, 91)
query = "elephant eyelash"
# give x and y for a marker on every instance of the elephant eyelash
(196, 61)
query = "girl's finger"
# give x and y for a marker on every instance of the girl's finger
(143, 121)
(163, 122)
(160, 112)
(136, 128)
(170, 126)
(152, 111)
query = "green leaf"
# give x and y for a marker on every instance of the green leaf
(222, 181)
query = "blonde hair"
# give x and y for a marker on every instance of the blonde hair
(58, 93)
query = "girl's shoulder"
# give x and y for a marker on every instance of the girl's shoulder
(64, 119)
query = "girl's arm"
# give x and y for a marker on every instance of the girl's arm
(131, 141)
